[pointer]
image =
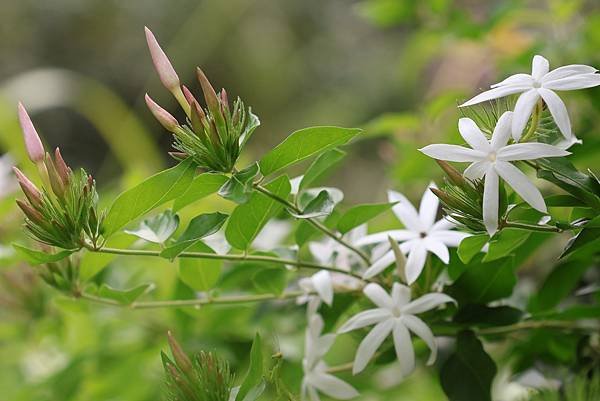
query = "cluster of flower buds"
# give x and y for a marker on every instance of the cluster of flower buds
(213, 136)
(204, 377)
(64, 212)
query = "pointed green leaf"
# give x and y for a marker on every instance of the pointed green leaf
(238, 188)
(505, 243)
(321, 166)
(202, 186)
(256, 369)
(35, 258)
(157, 228)
(484, 282)
(360, 214)
(321, 205)
(124, 297)
(303, 144)
(471, 246)
(199, 227)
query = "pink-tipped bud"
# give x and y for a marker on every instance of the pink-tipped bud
(56, 182)
(33, 143)
(30, 212)
(209, 93)
(32, 193)
(197, 117)
(178, 155)
(181, 359)
(63, 170)
(163, 116)
(188, 95)
(163, 66)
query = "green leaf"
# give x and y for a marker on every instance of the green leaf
(252, 123)
(505, 243)
(248, 219)
(202, 186)
(256, 369)
(468, 373)
(270, 281)
(321, 166)
(35, 258)
(359, 214)
(158, 228)
(484, 282)
(151, 193)
(321, 205)
(483, 315)
(199, 227)
(200, 274)
(587, 239)
(471, 246)
(238, 188)
(561, 172)
(124, 297)
(557, 286)
(94, 262)
(303, 144)
(572, 313)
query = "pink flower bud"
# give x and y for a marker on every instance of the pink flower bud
(31, 213)
(209, 93)
(61, 167)
(56, 182)
(29, 189)
(163, 116)
(188, 95)
(163, 66)
(33, 144)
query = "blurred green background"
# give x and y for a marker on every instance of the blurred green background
(396, 68)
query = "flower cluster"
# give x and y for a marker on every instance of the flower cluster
(63, 212)
(213, 136)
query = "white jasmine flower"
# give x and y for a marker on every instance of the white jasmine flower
(491, 159)
(541, 83)
(315, 369)
(394, 315)
(422, 235)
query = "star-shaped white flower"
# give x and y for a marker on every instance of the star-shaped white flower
(541, 83)
(315, 369)
(422, 235)
(491, 159)
(394, 315)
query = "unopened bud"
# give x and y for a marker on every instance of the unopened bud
(224, 99)
(164, 68)
(181, 359)
(32, 193)
(61, 167)
(197, 117)
(188, 95)
(400, 259)
(30, 212)
(178, 155)
(212, 101)
(453, 174)
(33, 143)
(56, 182)
(163, 116)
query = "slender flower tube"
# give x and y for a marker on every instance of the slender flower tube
(33, 143)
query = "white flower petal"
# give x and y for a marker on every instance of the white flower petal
(442, 225)
(502, 131)
(438, 249)
(476, 170)
(490, 201)
(521, 184)
(496, 93)
(539, 67)
(380, 265)
(365, 318)
(312, 392)
(575, 82)
(400, 294)
(517, 79)
(322, 283)
(370, 343)
(415, 262)
(333, 386)
(449, 238)
(452, 153)
(404, 348)
(405, 211)
(523, 109)
(419, 327)
(428, 207)
(378, 296)
(398, 235)
(568, 71)
(529, 151)
(426, 303)
(473, 135)
(558, 110)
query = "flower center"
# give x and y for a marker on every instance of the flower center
(422, 234)
(492, 157)
(396, 311)
(537, 84)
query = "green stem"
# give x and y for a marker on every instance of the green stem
(535, 121)
(238, 258)
(315, 223)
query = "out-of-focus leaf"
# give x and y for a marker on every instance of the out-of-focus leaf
(124, 297)
(153, 192)
(158, 228)
(270, 281)
(92, 263)
(468, 373)
(238, 188)
(587, 238)
(199, 227)
(303, 144)
(248, 219)
(563, 201)
(572, 313)
(359, 214)
(505, 243)
(256, 369)
(471, 246)
(305, 231)
(559, 284)
(321, 205)
(202, 186)
(35, 258)
(476, 314)
(200, 274)
(321, 166)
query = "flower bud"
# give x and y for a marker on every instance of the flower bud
(212, 101)
(453, 174)
(32, 214)
(188, 95)
(33, 143)
(198, 117)
(61, 167)
(164, 68)
(182, 360)
(32, 193)
(56, 182)
(163, 116)
(178, 155)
